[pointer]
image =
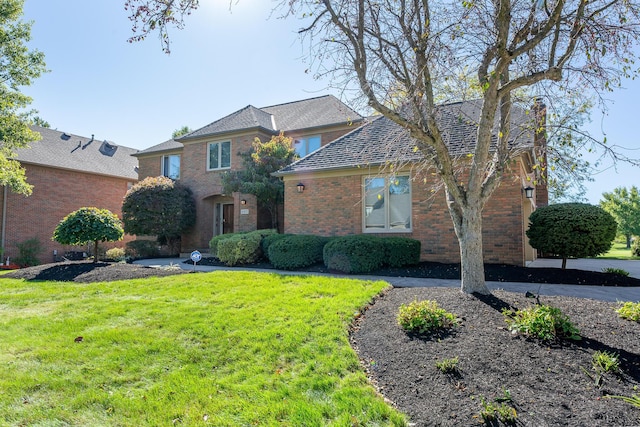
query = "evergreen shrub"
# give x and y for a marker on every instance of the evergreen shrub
(296, 251)
(269, 240)
(571, 230)
(401, 251)
(354, 254)
(242, 248)
(137, 249)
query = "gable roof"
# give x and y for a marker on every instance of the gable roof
(305, 114)
(169, 145)
(381, 140)
(67, 151)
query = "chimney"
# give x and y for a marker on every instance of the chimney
(540, 152)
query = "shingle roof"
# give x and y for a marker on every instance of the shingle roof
(305, 114)
(67, 151)
(168, 145)
(381, 140)
(310, 113)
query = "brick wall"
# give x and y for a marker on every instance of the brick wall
(331, 206)
(57, 193)
(207, 186)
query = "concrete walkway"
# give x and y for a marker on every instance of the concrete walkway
(603, 293)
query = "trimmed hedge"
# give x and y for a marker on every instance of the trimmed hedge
(635, 248)
(365, 253)
(241, 248)
(354, 254)
(271, 239)
(215, 241)
(401, 251)
(296, 251)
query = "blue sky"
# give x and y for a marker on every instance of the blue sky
(135, 95)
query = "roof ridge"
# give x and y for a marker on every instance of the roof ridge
(300, 100)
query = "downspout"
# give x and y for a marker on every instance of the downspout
(4, 222)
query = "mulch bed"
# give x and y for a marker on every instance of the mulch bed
(546, 381)
(87, 272)
(550, 384)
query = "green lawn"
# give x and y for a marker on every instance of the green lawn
(216, 349)
(619, 251)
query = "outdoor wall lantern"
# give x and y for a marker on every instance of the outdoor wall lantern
(243, 202)
(300, 187)
(528, 192)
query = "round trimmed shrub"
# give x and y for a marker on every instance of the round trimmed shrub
(269, 240)
(242, 248)
(635, 248)
(215, 241)
(572, 230)
(354, 254)
(296, 251)
(401, 251)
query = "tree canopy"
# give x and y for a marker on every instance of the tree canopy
(571, 230)
(89, 224)
(159, 206)
(19, 66)
(181, 131)
(513, 50)
(255, 177)
(624, 206)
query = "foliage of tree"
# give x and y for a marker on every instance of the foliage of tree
(180, 132)
(39, 121)
(384, 47)
(624, 206)
(89, 224)
(159, 206)
(255, 178)
(19, 66)
(571, 230)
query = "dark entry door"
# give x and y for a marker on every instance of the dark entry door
(227, 219)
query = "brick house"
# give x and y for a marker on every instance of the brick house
(372, 181)
(67, 172)
(199, 158)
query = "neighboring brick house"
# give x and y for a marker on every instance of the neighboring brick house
(198, 159)
(372, 181)
(67, 172)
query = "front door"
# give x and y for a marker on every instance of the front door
(227, 218)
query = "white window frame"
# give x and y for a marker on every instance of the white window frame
(219, 144)
(387, 227)
(166, 173)
(304, 142)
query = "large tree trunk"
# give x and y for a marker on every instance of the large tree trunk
(95, 252)
(467, 222)
(472, 262)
